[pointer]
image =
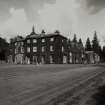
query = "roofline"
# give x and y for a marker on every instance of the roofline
(46, 35)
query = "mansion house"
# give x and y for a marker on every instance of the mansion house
(44, 48)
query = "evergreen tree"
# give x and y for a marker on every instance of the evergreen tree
(103, 53)
(75, 38)
(80, 42)
(95, 44)
(88, 46)
(80, 46)
(69, 43)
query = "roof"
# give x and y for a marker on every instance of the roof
(18, 39)
(44, 35)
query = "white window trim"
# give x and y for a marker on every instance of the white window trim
(28, 49)
(51, 48)
(52, 39)
(34, 49)
(51, 59)
(43, 40)
(62, 48)
(43, 48)
(34, 40)
(22, 50)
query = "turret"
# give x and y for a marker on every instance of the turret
(33, 31)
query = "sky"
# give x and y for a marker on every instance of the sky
(82, 17)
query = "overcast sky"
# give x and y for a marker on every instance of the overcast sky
(82, 17)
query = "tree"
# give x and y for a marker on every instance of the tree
(88, 46)
(75, 39)
(103, 53)
(3, 48)
(95, 44)
(16, 38)
(80, 42)
(69, 43)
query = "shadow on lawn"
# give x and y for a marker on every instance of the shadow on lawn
(99, 96)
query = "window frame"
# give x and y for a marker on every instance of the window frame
(28, 49)
(43, 40)
(34, 40)
(34, 49)
(52, 39)
(51, 48)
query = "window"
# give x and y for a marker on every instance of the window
(82, 55)
(34, 41)
(28, 49)
(15, 51)
(28, 41)
(16, 44)
(51, 59)
(70, 57)
(22, 43)
(34, 49)
(51, 48)
(22, 50)
(19, 43)
(42, 60)
(70, 54)
(62, 49)
(52, 39)
(43, 40)
(64, 59)
(43, 49)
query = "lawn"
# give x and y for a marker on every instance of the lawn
(19, 79)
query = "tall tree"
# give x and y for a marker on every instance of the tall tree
(69, 44)
(3, 48)
(80, 45)
(88, 46)
(103, 54)
(75, 38)
(80, 42)
(95, 44)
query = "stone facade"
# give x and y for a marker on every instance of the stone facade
(91, 57)
(45, 49)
